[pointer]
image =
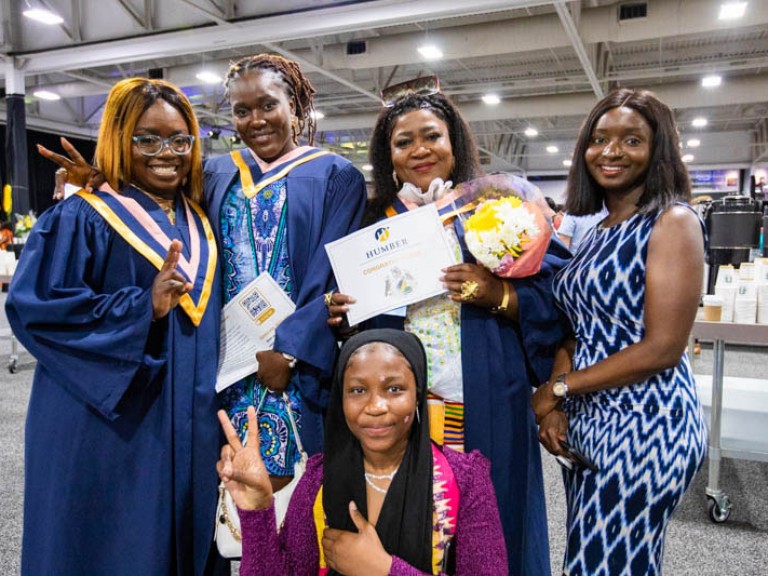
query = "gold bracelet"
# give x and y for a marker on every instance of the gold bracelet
(504, 301)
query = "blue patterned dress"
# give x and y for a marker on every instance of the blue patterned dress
(253, 236)
(647, 439)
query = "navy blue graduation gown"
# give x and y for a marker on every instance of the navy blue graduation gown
(325, 200)
(501, 361)
(121, 435)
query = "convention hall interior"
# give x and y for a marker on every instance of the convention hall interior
(524, 73)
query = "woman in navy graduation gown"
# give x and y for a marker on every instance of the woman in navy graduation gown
(484, 351)
(116, 295)
(274, 205)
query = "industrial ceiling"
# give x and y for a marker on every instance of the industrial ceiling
(548, 62)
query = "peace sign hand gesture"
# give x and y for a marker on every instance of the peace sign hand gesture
(241, 467)
(75, 168)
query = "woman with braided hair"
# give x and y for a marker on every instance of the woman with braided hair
(273, 206)
(483, 351)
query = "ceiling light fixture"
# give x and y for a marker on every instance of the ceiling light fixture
(699, 122)
(317, 115)
(491, 99)
(531, 132)
(208, 77)
(367, 167)
(44, 16)
(567, 163)
(553, 149)
(693, 143)
(46, 95)
(214, 133)
(687, 158)
(732, 10)
(711, 81)
(430, 52)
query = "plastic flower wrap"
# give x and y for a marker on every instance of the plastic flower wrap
(508, 232)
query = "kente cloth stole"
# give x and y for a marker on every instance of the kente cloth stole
(245, 163)
(445, 511)
(446, 422)
(137, 227)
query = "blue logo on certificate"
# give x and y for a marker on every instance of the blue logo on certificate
(382, 234)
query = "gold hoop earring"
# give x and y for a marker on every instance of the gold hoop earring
(394, 177)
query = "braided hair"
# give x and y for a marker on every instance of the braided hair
(297, 86)
(466, 167)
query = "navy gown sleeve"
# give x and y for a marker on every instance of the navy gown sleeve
(74, 303)
(542, 326)
(305, 334)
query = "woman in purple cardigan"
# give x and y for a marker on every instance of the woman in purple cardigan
(382, 499)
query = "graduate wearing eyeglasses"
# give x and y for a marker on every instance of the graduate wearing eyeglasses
(117, 296)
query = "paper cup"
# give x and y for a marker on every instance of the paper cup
(713, 308)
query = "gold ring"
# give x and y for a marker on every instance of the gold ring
(469, 290)
(328, 299)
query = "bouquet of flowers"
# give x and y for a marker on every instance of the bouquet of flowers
(24, 223)
(508, 232)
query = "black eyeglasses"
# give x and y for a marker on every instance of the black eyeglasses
(152, 145)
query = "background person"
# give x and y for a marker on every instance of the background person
(111, 297)
(573, 229)
(273, 206)
(624, 381)
(485, 353)
(389, 495)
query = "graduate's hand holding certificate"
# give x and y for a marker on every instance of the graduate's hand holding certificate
(392, 263)
(248, 326)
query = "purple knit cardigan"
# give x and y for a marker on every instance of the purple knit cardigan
(479, 539)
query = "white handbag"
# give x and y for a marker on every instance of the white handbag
(227, 534)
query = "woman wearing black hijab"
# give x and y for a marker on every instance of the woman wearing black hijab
(382, 499)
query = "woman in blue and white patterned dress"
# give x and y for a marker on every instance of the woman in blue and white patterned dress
(622, 391)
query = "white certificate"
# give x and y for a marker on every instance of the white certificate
(248, 325)
(392, 263)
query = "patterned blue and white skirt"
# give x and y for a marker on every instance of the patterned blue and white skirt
(647, 457)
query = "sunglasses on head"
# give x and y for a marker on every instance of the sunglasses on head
(424, 85)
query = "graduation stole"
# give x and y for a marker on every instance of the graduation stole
(446, 209)
(135, 225)
(270, 172)
(445, 511)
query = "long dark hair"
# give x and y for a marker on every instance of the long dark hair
(666, 181)
(466, 167)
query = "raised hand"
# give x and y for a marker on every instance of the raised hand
(241, 467)
(356, 554)
(169, 284)
(77, 170)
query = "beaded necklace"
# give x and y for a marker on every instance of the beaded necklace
(369, 478)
